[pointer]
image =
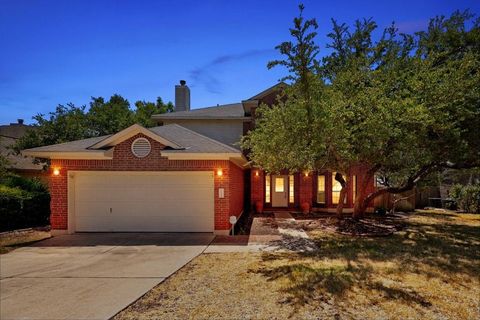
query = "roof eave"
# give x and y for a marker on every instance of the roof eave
(71, 155)
(161, 117)
(231, 156)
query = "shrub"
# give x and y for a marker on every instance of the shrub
(23, 203)
(467, 197)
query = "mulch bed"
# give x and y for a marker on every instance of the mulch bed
(370, 226)
(244, 224)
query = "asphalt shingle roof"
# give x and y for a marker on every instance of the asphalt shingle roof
(190, 141)
(226, 111)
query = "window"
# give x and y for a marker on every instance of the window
(321, 189)
(336, 188)
(279, 187)
(267, 188)
(354, 187)
(291, 194)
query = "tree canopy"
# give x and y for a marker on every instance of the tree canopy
(402, 106)
(69, 122)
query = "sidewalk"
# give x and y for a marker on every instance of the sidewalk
(281, 233)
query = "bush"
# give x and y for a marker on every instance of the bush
(24, 203)
(467, 197)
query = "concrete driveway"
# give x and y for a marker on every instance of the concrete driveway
(90, 276)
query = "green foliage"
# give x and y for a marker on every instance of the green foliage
(23, 203)
(7, 192)
(301, 55)
(145, 110)
(111, 116)
(26, 184)
(467, 197)
(403, 105)
(66, 123)
(3, 166)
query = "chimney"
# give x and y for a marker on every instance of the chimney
(18, 123)
(182, 97)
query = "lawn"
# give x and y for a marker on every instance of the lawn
(22, 239)
(429, 270)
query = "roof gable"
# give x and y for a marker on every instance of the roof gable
(130, 132)
(278, 87)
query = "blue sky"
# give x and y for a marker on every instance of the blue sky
(55, 52)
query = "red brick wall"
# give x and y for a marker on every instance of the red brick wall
(123, 160)
(236, 189)
(306, 187)
(257, 186)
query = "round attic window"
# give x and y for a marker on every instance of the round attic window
(141, 147)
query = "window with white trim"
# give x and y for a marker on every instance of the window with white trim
(321, 189)
(267, 188)
(354, 187)
(291, 190)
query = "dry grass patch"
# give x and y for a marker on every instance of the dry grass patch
(213, 286)
(429, 270)
(9, 243)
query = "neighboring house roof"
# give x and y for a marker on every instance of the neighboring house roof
(184, 144)
(16, 161)
(225, 112)
(9, 134)
(14, 130)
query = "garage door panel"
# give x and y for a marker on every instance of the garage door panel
(93, 223)
(163, 223)
(139, 201)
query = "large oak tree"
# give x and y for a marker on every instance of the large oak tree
(403, 106)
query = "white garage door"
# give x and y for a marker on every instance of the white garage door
(176, 201)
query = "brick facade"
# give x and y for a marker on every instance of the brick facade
(306, 188)
(123, 160)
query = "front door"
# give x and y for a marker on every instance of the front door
(280, 191)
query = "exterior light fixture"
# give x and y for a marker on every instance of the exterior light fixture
(306, 173)
(56, 171)
(256, 173)
(219, 172)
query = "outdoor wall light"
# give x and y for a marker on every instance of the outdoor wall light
(219, 172)
(256, 173)
(306, 173)
(56, 171)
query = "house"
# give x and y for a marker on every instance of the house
(188, 174)
(24, 166)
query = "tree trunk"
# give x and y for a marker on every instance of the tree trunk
(409, 185)
(341, 202)
(343, 194)
(361, 205)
